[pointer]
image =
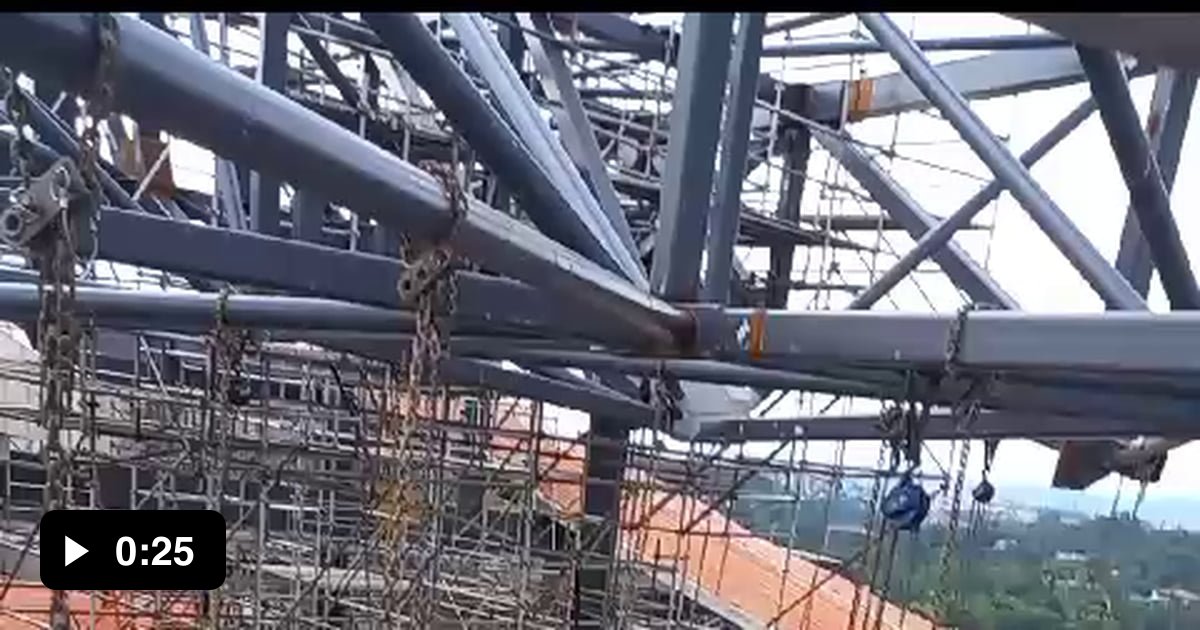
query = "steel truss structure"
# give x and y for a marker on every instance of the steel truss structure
(423, 233)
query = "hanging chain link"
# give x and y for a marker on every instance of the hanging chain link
(965, 413)
(230, 390)
(54, 252)
(429, 285)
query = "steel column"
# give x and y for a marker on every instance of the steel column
(958, 265)
(166, 83)
(604, 470)
(272, 73)
(1148, 195)
(579, 138)
(522, 112)
(308, 215)
(227, 188)
(735, 140)
(687, 177)
(1109, 284)
(933, 239)
(797, 143)
(987, 76)
(454, 93)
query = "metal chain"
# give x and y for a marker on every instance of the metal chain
(58, 330)
(227, 348)
(99, 104)
(429, 285)
(949, 550)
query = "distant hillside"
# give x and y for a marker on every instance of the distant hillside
(1159, 512)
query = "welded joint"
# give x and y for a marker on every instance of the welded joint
(715, 334)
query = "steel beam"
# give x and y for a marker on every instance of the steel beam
(698, 370)
(966, 274)
(188, 311)
(988, 76)
(470, 372)
(735, 140)
(1161, 38)
(986, 42)
(687, 177)
(523, 113)
(988, 340)
(943, 426)
(546, 203)
(931, 240)
(1148, 194)
(645, 41)
(1109, 284)
(272, 73)
(302, 268)
(574, 127)
(170, 85)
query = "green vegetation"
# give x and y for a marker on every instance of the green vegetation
(1054, 571)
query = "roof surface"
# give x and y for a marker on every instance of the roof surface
(749, 575)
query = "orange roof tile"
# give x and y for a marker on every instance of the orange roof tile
(748, 580)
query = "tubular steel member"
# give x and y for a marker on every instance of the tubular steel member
(935, 238)
(735, 140)
(1148, 194)
(1105, 280)
(177, 88)
(412, 43)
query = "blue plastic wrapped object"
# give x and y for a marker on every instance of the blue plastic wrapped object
(906, 504)
(984, 492)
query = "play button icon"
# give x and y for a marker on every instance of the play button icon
(72, 551)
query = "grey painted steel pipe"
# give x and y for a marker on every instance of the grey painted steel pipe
(199, 310)
(525, 116)
(942, 426)
(1166, 124)
(1148, 195)
(698, 370)
(1109, 284)
(574, 127)
(958, 265)
(987, 42)
(429, 65)
(735, 141)
(938, 236)
(167, 84)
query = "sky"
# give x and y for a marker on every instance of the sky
(1080, 175)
